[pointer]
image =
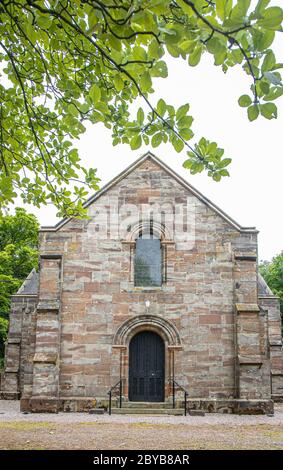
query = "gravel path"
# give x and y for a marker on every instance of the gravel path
(85, 431)
(10, 411)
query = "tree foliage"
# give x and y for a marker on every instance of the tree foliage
(18, 256)
(67, 62)
(272, 272)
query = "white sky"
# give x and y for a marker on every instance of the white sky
(253, 193)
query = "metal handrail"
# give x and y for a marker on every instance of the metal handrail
(174, 385)
(120, 384)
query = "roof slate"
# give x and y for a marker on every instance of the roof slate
(30, 285)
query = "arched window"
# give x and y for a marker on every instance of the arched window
(148, 261)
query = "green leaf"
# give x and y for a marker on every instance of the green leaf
(224, 162)
(238, 14)
(223, 8)
(182, 111)
(272, 18)
(177, 144)
(185, 122)
(84, 107)
(156, 140)
(187, 164)
(73, 110)
(220, 56)
(273, 78)
(92, 18)
(261, 5)
(253, 112)
(173, 50)
(136, 142)
(139, 53)
(146, 139)
(264, 86)
(216, 177)
(241, 8)
(187, 134)
(188, 46)
(244, 101)
(145, 82)
(159, 69)
(115, 43)
(273, 94)
(224, 172)
(154, 50)
(237, 56)
(268, 62)
(95, 93)
(44, 21)
(195, 56)
(140, 116)
(197, 167)
(161, 107)
(268, 110)
(118, 83)
(264, 39)
(186, 8)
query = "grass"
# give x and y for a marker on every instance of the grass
(26, 426)
(27, 435)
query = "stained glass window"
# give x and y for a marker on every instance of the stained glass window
(148, 261)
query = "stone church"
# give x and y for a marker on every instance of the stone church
(157, 291)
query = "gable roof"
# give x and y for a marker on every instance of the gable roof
(263, 288)
(173, 174)
(30, 284)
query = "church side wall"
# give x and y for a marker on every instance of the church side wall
(271, 305)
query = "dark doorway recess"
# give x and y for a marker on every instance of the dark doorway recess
(146, 367)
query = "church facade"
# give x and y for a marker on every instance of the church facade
(157, 286)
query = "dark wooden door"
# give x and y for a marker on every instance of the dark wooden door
(146, 367)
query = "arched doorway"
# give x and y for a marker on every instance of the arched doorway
(146, 367)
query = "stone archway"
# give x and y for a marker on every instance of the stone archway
(163, 327)
(160, 230)
(142, 323)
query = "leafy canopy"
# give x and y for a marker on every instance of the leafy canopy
(18, 249)
(65, 63)
(272, 272)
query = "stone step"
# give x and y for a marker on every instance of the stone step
(145, 404)
(148, 411)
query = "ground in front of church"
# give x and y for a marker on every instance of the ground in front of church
(101, 432)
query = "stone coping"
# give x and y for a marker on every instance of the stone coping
(13, 370)
(277, 343)
(247, 308)
(131, 289)
(12, 340)
(4, 395)
(46, 358)
(48, 305)
(251, 360)
(245, 255)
